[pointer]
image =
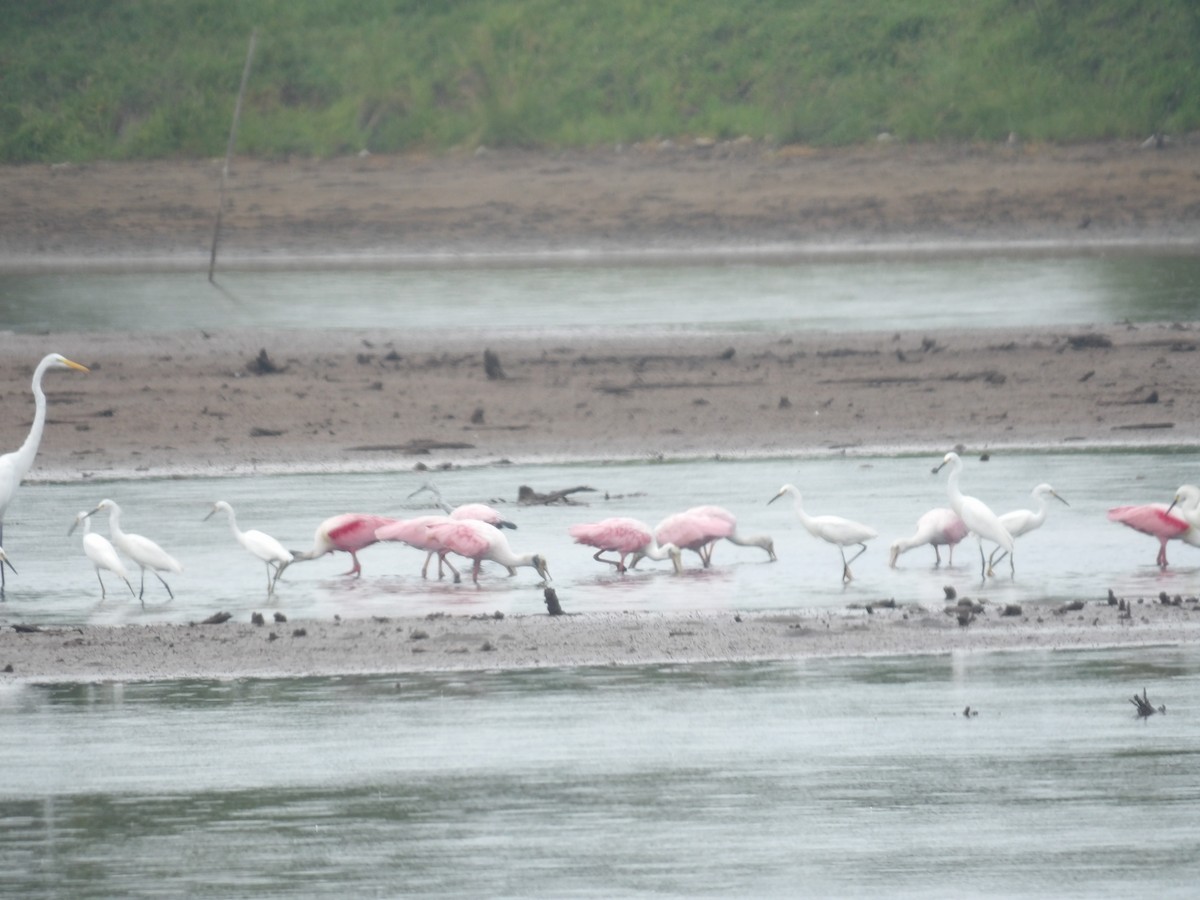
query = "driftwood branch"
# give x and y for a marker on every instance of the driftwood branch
(527, 496)
(1145, 709)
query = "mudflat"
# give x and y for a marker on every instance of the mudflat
(240, 402)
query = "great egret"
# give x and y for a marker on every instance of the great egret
(14, 466)
(978, 516)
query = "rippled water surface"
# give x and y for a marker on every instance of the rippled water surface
(827, 778)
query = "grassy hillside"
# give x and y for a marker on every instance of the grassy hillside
(84, 79)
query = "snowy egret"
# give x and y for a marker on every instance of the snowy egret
(1023, 521)
(832, 529)
(101, 552)
(262, 545)
(977, 515)
(14, 466)
(142, 550)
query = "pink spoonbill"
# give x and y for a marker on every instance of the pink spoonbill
(939, 527)
(478, 541)
(16, 465)
(416, 532)
(623, 536)
(834, 529)
(347, 533)
(978, 516)
(734, 537)
(690, 530)
(480, 511)
(1166, 522)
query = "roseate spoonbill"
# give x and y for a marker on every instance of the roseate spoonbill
(756, 540)
(623, 536)
(479, 511)
(415, 532)
(833, 529)
(270, 551)
(478, 541)
(14, 466)
(938, 527)
(101, 552)
(978, 516)
(1163, 521)
(142, 550)
(690, 530)
(1023, 521)
(348, 533)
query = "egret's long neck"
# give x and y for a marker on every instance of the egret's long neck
(756, 540)
(952, 491)
(233, 525)
(805, 519)
(28, 450)
(114, 524)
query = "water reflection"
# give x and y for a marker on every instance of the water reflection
(846, 777)
(876, 294)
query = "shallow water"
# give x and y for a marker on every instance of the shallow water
(1078, 553)
(830, 777)
(869, 294)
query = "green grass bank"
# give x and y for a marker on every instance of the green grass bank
(139, 79)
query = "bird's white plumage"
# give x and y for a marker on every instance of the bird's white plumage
(101, 552)
(142, 550)
(259, 543)
(832, 529)
(977, 515)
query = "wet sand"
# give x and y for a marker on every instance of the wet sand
(258, 402)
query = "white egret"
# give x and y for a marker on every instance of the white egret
(142, 550)
(979, 518)
(832, 529)
(1023, 521)
(14, 466)
(270, 551)
(101, 552)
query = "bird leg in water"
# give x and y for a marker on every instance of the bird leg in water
(617, 564)
(846, 576)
